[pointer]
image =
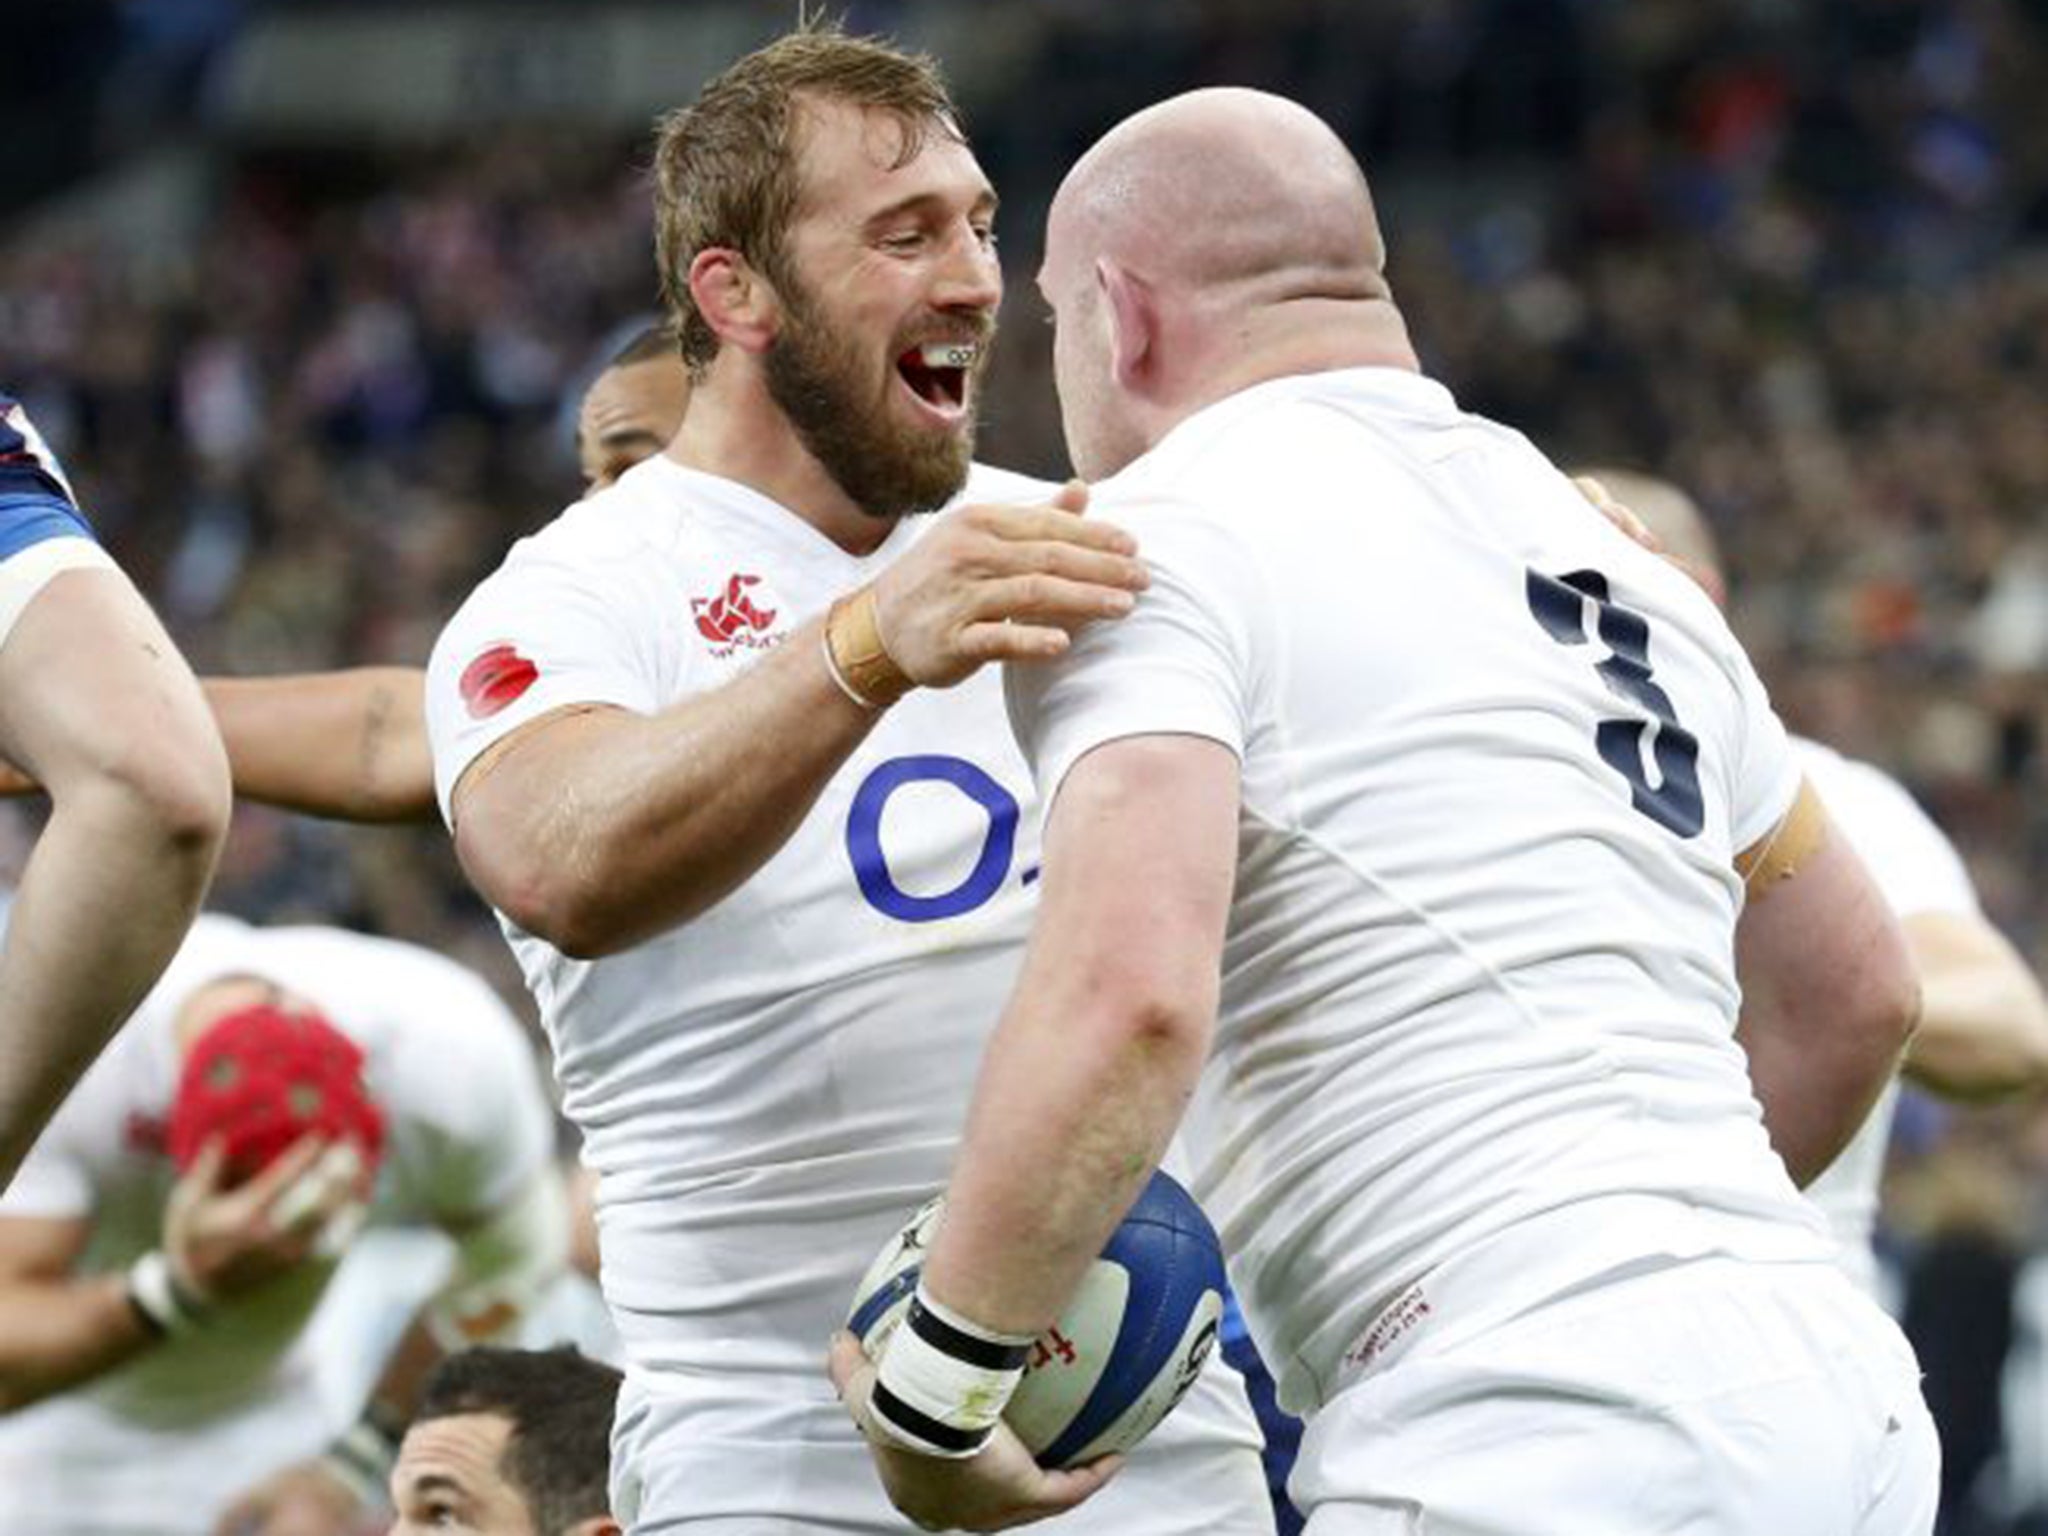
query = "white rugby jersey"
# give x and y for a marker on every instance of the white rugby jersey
(768, 1091)
(1497, 762)
(162, 1443)
(1918, 869)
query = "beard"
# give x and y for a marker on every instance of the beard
(821, 385)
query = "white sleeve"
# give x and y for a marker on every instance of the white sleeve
(1179, 665)
(52, 1182)
(65, 1170)
(1909, 857)
(543, 632)
(491, 1183)
(1764, 778)
(471, 1080)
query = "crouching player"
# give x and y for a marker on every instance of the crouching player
(172, 1234)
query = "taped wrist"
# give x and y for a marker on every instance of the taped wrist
(362, 1456)
(856, 655)
(943, 1381)
(165, 1307)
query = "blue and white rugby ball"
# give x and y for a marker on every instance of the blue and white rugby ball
(1127, 1348)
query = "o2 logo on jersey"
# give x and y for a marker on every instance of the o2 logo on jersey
(871, 863)
(1558, 603)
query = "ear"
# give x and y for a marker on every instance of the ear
(1133, 323)
(595, 1525)
(734, 300)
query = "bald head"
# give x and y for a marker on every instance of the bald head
(1674, 518)
(1229, 188)
(1216, 240)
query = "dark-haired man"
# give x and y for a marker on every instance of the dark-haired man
(509, 1442)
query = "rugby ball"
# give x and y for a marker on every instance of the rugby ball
(1126, 1349)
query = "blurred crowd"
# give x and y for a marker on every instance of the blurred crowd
(1793, 256)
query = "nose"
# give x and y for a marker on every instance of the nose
(970, 278)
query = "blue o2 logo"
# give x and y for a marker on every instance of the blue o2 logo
(871, 864)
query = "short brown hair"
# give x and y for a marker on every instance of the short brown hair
(725, 167)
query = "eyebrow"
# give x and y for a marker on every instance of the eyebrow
(436, 1482)
(986, 202)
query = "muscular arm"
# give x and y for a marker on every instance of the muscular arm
(350, 745)
(57, 1330)
(97, 704)
(1100, 1048)
(1984, 1019)
(1828, 1001)
(598, 828)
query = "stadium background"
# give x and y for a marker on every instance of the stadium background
(304, 292)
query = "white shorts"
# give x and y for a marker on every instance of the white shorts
(24, 575)
(1197, 1475)
(1710, 1398)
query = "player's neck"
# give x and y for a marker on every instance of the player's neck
(733, 430)
(1301, 340)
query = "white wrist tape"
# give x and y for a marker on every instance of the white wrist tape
(153, 1292)
(361, 1461)
(944, 1381)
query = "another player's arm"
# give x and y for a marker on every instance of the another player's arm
(348, 745)
(97, 704)
(351, 745)
(1984, 1018)
(1084, 1082)
(58, 1329)
(599, 828)
(1829, 995)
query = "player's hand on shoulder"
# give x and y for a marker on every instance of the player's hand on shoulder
(1004, 583)
(1625, 520)
(306, 1499)
(998, 1487)
(225, 1240)
(1616, 512)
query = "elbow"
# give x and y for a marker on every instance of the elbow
(559, 911)
(553, 903)
(1167, 1024)
(1887, 1006)
(584, 935)
(1899, 1009)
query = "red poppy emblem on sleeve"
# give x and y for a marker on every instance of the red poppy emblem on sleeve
(495, 679)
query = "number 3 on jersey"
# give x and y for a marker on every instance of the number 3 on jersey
(1559, 605)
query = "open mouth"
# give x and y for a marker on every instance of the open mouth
(936, 374)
